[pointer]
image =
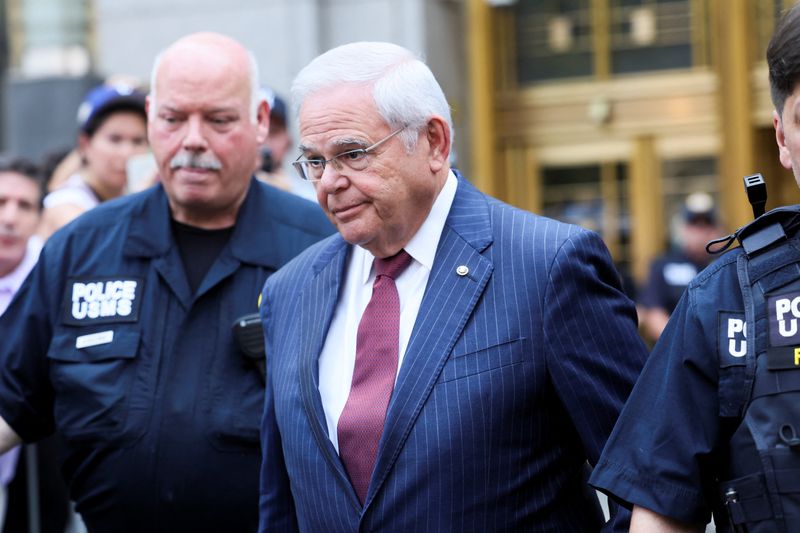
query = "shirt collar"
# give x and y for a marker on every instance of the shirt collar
(422, 246)
(150, 232)
(13, 281)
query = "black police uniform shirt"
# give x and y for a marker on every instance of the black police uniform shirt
(668, 278)
(106, 343)
(664, 451)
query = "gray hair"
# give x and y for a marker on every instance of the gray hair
(255, 86)
(405, 91)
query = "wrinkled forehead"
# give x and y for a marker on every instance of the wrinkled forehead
(207, 81)
(341, 108)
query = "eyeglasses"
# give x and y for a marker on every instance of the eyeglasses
(358, 159)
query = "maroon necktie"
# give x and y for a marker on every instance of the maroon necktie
(377, 344)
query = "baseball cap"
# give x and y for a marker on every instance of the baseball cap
(277, 106)
(699, 209)
(104, 99)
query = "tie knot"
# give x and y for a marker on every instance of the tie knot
(392, 266)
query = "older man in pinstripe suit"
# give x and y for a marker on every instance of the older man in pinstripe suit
(446, 362)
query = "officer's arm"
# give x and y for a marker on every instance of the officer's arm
(646, 521)
(8, 437)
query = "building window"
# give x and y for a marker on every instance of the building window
(554, 39)
(49, 37)
(568, 39)
(650, 35)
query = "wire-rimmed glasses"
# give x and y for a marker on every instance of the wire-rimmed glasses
(358, 159)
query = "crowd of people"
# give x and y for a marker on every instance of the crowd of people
(215, 353)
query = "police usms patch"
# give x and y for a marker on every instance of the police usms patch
(731, 338)
(102, 300)
(784, 317)
(783, 314)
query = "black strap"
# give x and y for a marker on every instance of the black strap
(769, 229)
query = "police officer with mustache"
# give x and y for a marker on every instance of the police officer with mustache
(121, 338)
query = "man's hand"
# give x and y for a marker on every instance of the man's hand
(8, 437)
(646, 521)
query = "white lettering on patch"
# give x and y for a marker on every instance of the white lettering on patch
(737, 347)
(103, 299)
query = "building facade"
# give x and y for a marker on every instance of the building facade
(601, 112)
(608, 113)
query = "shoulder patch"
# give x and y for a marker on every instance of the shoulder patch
(102, 300)
(783, 318)
(731, 338)
(783, 315)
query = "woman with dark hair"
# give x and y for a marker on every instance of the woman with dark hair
(113, 127)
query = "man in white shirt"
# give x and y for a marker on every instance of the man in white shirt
(20, 210)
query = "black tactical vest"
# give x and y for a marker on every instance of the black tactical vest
(759, 483)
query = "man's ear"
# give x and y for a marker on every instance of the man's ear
(262, 122)
(438, 134)
(780, 138)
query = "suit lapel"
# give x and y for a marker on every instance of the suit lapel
(317, 304)
(450, 297)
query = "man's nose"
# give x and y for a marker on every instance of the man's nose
(195, 139)
(9, 213)
(332, 179)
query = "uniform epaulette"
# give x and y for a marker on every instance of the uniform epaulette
(768, 229)
(772, 227)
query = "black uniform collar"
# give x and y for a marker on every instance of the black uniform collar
(150, 235)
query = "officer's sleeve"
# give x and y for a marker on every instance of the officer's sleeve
(594, 351)
(26, 395)
(276, 505)
(661, 446)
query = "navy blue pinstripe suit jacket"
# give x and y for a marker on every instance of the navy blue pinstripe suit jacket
(512, 380)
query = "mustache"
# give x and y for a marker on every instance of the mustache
(188, 159)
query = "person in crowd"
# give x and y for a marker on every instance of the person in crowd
(272, 153)
(125, 338)
(671, 273)
(20, 209)
(21, 190)
(113, 127)
(446, 362)
(712, 423)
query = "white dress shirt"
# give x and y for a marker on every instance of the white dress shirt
(10, 284)
(338, 355)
